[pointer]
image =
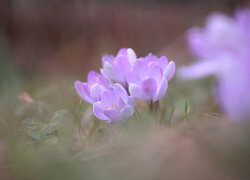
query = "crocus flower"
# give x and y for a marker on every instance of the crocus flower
(96, 84)
(168, 68)
(146, 79)
(223, 48)
(114, 105)
(115, 68)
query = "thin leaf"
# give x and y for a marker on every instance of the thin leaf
(171, 117)
(186, 111)
(163, 112)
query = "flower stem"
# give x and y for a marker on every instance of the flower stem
(154, 107)
(186, 111)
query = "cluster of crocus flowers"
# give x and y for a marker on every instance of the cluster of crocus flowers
(223, 48)
(125, 77)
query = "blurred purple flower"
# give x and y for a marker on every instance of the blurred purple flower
(223, 48)
(114, 105)
(90, 91)
(115, 68)
(148, 79)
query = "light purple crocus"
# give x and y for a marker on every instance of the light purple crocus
(223, 48)
(148, 79)
(168, 68)
(115, 68)
(91, 90)
(114, 105)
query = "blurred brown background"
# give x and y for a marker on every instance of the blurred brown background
(70, 36)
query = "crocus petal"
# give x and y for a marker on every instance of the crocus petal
(98, 111)
(107, 70)
(161, 90)
(120, 104)
(220, 23)
(222, 34)
(107, 57)
(131, 56)
(149, 87)
(131, 101)
(113, 114)
(141, 68)
(108, 98)
(118, 89)
(150, 58)
(121, 66)
(122, 51)
(199, 70)
(154, 71)
(169, 70)
(162, 61)
(242, 17)
(127, 111)
(137, 92)
(197, 43)
(95, 92)
(132, 77)
(83, 91)
(92, 77)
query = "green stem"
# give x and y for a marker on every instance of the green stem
(154, 107)
(171, 117)
(155, 110)
(151, 107)
(186, 111)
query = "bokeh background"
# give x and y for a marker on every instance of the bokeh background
(70, 36)
(45, 45)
